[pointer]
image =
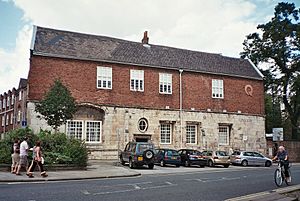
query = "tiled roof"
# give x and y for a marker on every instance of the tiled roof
(65, 44)
(22, 83)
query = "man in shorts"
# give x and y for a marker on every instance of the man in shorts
(23, 156)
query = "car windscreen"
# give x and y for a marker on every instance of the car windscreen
(221, 153)
(172, 153)
(194, 152)
(144, 147)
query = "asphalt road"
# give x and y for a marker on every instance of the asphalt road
(174, 184)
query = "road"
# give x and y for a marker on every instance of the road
(176, 184)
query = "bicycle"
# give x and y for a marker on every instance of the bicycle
(279, 175)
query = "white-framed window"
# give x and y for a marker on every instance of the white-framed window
(143, 125)
(7, 119)
(136, 80)
(8, 101)
(223, 135)
(165, 83)
(90, 131)
(165, 133)
(93, 131)
(12, 99)
(75, 129)
(4, 103)
(104, 77)
(20, 95)
(3, 120)
(217, 89)
(11, 118)
(191, 134)
(19, 116)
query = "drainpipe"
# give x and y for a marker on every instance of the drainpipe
(180, 110)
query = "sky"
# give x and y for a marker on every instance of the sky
(217, 26)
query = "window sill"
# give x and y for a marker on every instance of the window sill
(165, 93)
(104, 88)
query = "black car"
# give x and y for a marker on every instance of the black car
(192, 157)
(167, 156)
(138, 154)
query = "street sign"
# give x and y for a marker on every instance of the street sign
(277, 134)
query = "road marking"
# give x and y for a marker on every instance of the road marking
(134, 187)
(157, 174)
(85, 192)
(205, 180)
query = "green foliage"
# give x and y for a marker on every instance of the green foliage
(57, 106)
(278, 46)
(273, 113)
(57, 148)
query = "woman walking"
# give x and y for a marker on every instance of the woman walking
(15, 156)
(37, 160)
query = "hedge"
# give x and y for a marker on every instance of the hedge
(57, 148)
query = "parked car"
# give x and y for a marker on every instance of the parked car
(217, 158)
(138, 154)
(167, 156)
(192, 157)
(246, 158)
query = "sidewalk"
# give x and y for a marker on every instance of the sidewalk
(95, 170)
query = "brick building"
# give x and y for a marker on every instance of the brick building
(13, 108)
(138, 91)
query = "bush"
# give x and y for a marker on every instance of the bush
(57, 148)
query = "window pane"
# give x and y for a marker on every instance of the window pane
(75, 129)
(93, 131)
(104, 77)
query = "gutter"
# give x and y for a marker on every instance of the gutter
(256, 69)
(180, 109)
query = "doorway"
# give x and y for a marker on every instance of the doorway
(142, 138)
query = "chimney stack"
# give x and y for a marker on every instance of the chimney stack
(145, 40)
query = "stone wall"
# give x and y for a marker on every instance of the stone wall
(120, 125)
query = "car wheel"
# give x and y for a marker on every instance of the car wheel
(151, 166)
(210, 163)
(131, 164)
(202, 166)
(178, 165)
(187, 163)
(162, 163)
(122, 161)
(226, 166)
(244, 163)
(268, 164)
(148, 154)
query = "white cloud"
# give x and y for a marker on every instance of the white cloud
(214, 26)
(15, 64)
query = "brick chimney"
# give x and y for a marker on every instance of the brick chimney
(145, 40)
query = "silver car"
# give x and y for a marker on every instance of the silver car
(246, 158)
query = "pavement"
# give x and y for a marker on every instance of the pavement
(95, 170)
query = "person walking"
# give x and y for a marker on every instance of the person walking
(37, 160)
(15, 156)
(23, 156)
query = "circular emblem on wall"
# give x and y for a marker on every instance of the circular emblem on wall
(143, 125)
(249, 90)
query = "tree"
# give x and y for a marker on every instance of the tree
(57, 106)
(278, 46)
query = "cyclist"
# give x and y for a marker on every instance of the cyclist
(282, 156)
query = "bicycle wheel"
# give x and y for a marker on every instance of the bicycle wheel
(286, 181)
(278, 178)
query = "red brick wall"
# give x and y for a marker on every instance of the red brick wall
(80, 77)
